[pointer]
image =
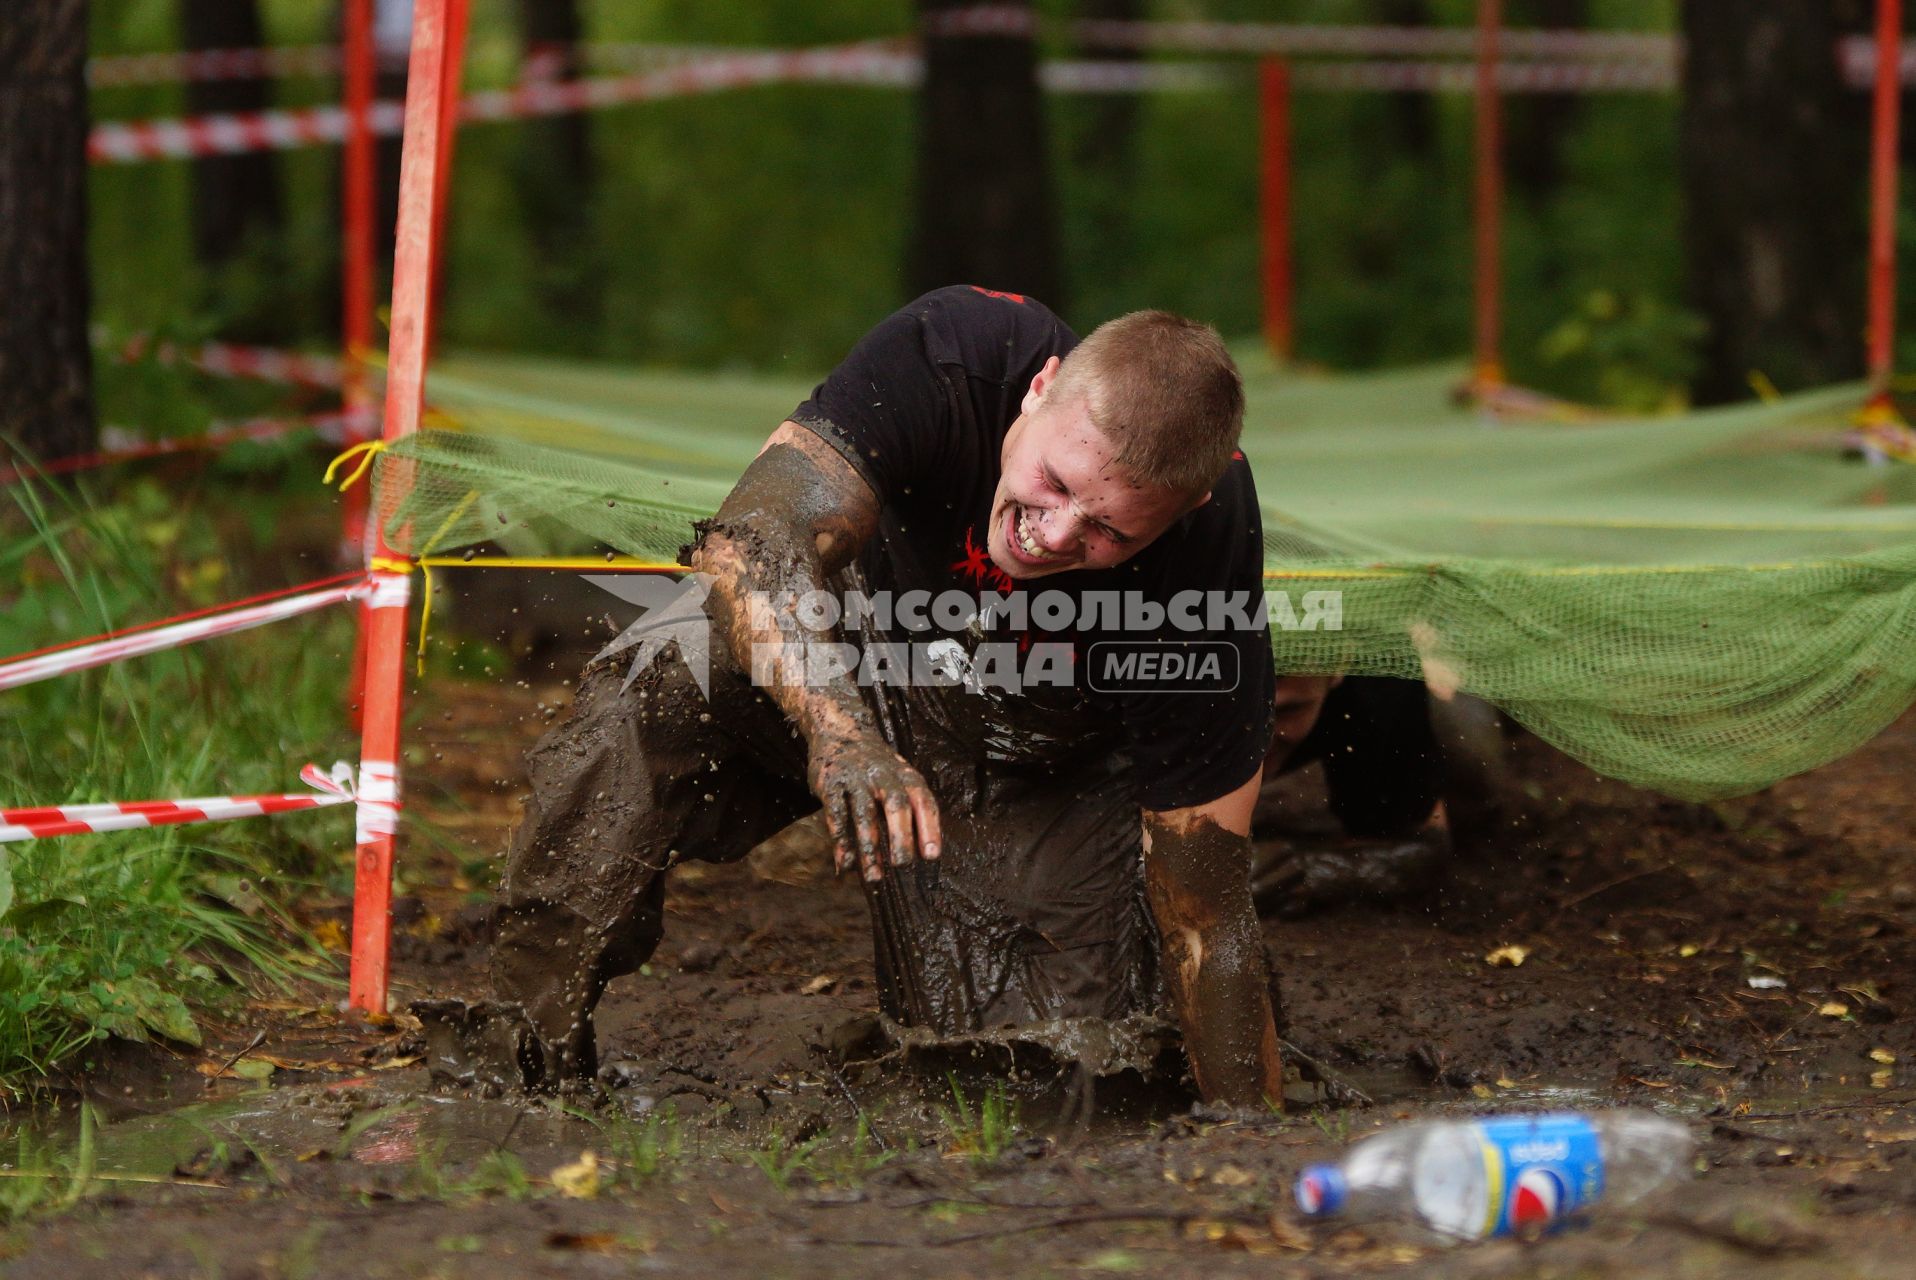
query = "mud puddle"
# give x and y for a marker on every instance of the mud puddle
(1642, 923)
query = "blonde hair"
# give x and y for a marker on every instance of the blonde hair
(1164, 391)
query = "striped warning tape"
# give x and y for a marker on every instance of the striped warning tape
(118, 70)
(1512, 77)
(329, 788)
(233, 360)
(1284, 39)
(185, 629)
(128, 142)
(117, 444)
(229, 134)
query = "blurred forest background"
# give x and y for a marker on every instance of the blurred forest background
(768, 228)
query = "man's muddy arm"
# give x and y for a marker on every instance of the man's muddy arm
(1197, 876)
(799, 514)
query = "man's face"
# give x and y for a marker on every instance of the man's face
(1062, 503)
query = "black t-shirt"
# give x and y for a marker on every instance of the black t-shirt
(921, 407)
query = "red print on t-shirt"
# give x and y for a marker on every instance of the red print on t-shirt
(978, 569)
(1018, 298)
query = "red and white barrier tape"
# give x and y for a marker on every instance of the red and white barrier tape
(216, 135)
(1282, 39)
(1461, 77)
(174, 633)
(230, 360)
(331, 788)
(379, 804)
(861, 63)
(121, 445)
(116, 70)
(980, 21)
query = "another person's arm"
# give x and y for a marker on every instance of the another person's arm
(1197, 877)
(799, 514)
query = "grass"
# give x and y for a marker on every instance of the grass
(781, 1160)
(127, 934)
(45, 1177)
(980, 1131)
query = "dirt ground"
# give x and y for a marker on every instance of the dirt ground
(1746, 966)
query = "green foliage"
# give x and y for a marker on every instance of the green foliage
(982, 1131)
(767, 227)
(44, 1176)
(122, 934)
(1633, 353)
(782, 1159)
(638, 1150)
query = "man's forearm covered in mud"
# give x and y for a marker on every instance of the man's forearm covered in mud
(798, 515)
(1197, 877)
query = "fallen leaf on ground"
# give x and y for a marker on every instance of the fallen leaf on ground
(1884, 1056)
(1833, 1009)
(1288, 1234)
(1889, 1135)
(1231, 1176)
(1881, 1079)
(578, 1180)
(330, 935)
(393, 1064)
(822, 983)
(588, 1242)
(1507, 956)
(244, 1069)
(1482, 1091)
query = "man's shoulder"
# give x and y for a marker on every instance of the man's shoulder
(989, 333)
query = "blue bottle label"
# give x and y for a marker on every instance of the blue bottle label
(1539, 1169)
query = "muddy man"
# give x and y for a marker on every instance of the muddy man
(992, 598)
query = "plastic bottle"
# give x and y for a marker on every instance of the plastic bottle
(1500, 1174)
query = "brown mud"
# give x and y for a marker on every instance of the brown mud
(1749, 966)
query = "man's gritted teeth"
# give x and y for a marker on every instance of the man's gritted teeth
(1022, 541)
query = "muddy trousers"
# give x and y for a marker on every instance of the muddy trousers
(1035, 910)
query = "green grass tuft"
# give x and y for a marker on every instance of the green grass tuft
(126, 934)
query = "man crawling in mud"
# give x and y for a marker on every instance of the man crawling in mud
(991, 516)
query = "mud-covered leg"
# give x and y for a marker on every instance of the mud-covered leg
(635, 779)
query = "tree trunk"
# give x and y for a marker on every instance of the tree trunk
(1106, 151)
(46, 365)
(1773, 154)
(986, 213)
(556, 171)
(1413, 114)
(1537, 125)
(237, 196)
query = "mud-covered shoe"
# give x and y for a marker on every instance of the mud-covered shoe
(487, 1045)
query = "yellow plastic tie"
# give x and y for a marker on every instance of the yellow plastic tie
(363, 453)
(1765, 389)
(425, 616)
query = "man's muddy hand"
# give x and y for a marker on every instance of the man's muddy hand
(877, 805)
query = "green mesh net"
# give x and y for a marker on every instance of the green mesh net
(1698, 604)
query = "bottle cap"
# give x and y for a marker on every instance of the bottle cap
(1321, 1189)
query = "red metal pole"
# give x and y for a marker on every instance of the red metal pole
(430, 96)
(358, 198)
(1274, 101)
(457, 16)
(1488, 373)
(1882, 204)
